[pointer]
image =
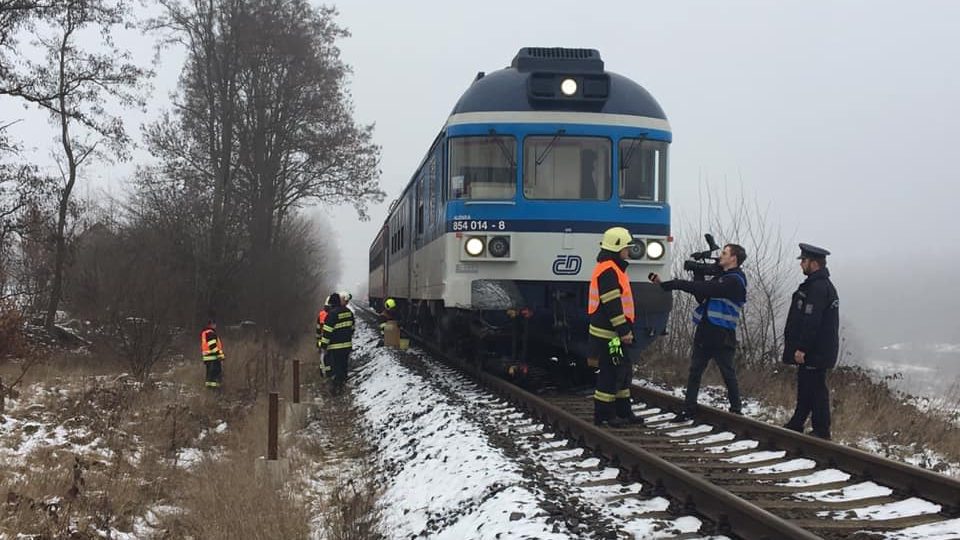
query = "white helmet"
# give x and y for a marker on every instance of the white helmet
(345, 297)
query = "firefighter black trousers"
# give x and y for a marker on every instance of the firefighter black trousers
(214, 376)
(612, 395)
(337, 360)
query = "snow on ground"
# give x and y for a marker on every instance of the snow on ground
(799, 464)
(826, 476)
(736, 446)
(942, 530)
(753, 457)
(894, 510)
(920, 457)
(863, 490)
(716, 396)
(460, 463)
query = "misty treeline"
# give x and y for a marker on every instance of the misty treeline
(260, 125)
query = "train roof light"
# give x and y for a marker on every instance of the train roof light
(568, 87)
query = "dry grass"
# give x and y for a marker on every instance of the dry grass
(133, 462)
(862, 407)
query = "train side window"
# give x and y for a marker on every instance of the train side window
(643, 170)
(483, 167)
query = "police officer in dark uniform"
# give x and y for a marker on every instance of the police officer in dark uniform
(812, 340)
(719, 302)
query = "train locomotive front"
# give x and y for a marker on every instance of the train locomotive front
(491, 246)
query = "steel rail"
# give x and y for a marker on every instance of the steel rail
(732, 514)
(911, 480)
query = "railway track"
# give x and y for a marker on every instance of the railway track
(748, 478)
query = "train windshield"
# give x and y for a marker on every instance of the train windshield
(643, 170)
(561, 167)
(483, 167)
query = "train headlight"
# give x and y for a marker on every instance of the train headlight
(499, 246)
(474, 246)
(568, 87)
(637, 249)
(655, 249)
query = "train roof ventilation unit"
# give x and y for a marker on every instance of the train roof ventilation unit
(558, 59)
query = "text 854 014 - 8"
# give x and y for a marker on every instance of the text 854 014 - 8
(477, 225)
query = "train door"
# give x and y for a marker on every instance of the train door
(417, 268)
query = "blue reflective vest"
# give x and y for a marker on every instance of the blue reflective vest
(722, 312)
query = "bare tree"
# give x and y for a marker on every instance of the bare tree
(82, 81)
(732, 217)
(263, 124)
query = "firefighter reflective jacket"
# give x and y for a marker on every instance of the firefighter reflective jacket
(210, 345)
(610, 298)
(337, 329)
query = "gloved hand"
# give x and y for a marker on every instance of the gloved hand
(616, 351)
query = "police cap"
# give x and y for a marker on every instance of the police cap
(812, 252)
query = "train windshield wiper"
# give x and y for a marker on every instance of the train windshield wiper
(546, 151)
(627, 157)
(503, 148)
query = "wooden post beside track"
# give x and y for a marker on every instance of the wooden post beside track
(272, 426)
(296, 381)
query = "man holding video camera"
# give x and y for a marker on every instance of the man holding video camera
(720, 301)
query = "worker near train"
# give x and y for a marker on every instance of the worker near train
(336, 340)
(611, 312)
(719, 302)
(211, 350)
(812, 340)
(321, 319)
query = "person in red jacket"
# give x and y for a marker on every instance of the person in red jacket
(211, 349)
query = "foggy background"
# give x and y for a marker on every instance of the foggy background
(841, 117)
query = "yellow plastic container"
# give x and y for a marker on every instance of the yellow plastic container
(404, 344)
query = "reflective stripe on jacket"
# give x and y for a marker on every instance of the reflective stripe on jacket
(211, 348)
(721, 312)
(337, 330)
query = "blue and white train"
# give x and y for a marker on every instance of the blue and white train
(492, 243)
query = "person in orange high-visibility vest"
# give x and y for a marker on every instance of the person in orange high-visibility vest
(211, 348)
(611, 313)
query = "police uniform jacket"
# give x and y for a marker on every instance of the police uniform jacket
(728, 286)
(813, 322)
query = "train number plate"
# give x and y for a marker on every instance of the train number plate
(478, 225)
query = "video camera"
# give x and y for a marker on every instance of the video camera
(702, 269)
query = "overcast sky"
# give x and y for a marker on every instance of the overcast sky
(842, 116)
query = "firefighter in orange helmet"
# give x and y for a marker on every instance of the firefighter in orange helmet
(211, 349)
(611, 313)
